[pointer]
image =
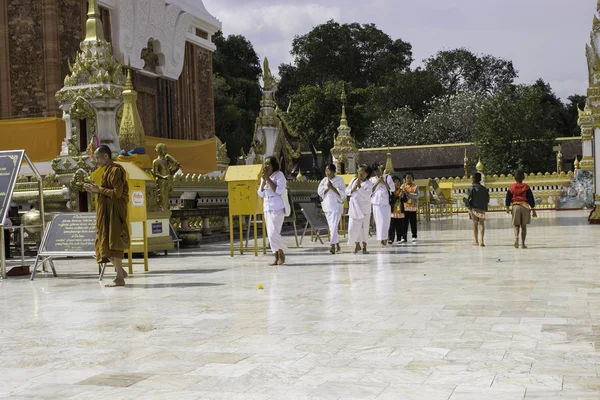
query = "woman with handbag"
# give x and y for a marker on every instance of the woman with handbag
(383, 190)
(272, 189)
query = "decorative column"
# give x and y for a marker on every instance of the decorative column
(389, 166)
(586, 123)
(466, 164)
(593, 105)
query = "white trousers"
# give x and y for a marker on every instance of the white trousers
(333, 221)
(358, 229)
(274, 222)
(382, 213)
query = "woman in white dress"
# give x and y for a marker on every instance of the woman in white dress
(272, 187)
(359, 213)
(383, 186)
(332, 190)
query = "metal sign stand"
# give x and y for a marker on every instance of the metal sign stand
(21, 156)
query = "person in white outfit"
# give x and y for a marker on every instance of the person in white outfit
(272, 187)
(359, 213)
(383, 186)
(332, 190)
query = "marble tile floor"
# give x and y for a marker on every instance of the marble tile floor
(436, 320)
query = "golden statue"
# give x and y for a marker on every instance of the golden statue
(163, 169)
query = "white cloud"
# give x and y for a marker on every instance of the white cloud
(271, 27)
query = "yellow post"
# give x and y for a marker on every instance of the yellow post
(264, 234)
(255, 237)
(231, 234)
(241, 219)
(145, 225)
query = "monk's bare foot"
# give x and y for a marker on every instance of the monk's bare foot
(516, 243)
(332, 249)
(338, 248)
(475, 243)
(364, 248)
(276, 262)
(523, 246)
(357, 248)
(281, 257)
(116, 283)
(482, 244)
(125, 274)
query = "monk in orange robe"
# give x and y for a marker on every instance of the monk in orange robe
(112, 236)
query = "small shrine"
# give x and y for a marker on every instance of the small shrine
(344, 151)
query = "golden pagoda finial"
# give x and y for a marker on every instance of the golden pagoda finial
(577, 164)
(479, 166)
(131, 130)
(93, 27)
(343, 121)
(128, 82)
(466, 163)
(389, 167)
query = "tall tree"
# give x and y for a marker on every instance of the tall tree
(237, 91)
(355, 53)
(397, 128)
(461, 69)
(571, 114)
(516, 129)
(452, 118)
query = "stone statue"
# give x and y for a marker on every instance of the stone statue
(559, 162)
(163, 169)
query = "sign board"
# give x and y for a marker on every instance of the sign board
(156, 228)
(137, 198)
(72, 234)
(10, 165)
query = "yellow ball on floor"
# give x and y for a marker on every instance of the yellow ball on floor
(260, 286)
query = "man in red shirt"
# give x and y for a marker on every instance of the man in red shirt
(520, 201)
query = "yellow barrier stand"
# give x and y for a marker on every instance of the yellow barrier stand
(242, 187)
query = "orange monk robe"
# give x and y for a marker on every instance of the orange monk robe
(112, 236)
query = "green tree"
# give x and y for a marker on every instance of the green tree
(571, 115)
(316, 114)
(452, 118)
(332, 52)
(237, 91)
(414, 89)
(398, 128)
(515, 129)
(460, 69)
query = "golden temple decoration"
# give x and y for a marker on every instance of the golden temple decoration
(479, 166)
(389, 167)
(576, 164)
(93, 27)
(344, 144)
(222, 158)
(163, 169)
(466, 163)
(131, 130)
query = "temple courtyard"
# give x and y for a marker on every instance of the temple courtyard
(436, 320)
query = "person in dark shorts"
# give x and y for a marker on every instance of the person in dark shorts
(521, 203)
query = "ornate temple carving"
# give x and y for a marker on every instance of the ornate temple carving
(273, 134)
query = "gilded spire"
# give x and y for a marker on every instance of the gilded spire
(94, 31)
(343, 121)
(389, 166)
(131, 131)
(466, 163)
(479, 166)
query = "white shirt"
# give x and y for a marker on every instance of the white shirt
(332, 201)
(381, 195)
(273, 200)
(360, 200)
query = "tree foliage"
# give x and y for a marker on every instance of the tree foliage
(460, 70)
(451, 119)
(516, 129)
(333, 52)
(237, 92)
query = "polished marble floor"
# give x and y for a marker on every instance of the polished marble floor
(436, 320)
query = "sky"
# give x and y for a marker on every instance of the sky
(544, 38)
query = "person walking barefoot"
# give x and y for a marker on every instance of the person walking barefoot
(272, 187)
(112, 230)
(477, 201)
(521, 203)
